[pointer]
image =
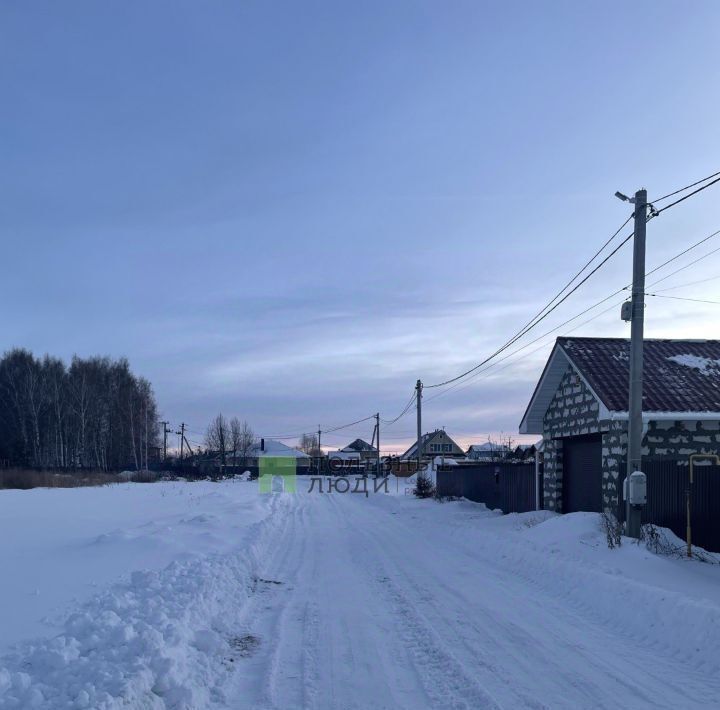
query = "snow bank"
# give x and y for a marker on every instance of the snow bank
(64, 545)
(157, 640)
(666, 603)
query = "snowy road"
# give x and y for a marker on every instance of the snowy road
(374, 610)
(342, 601)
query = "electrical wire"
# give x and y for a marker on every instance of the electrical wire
(406, 409)
(683, 252)
(682, 199)
(681, 298)
(682, 268)
(689, 283)
(536, 340)
(346, 426)
(682, 189)
(595, 305)
(569, 283)
(528, 328)
(471, 380)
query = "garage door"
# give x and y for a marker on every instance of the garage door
(582, 474)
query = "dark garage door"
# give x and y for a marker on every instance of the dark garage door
(582, 474)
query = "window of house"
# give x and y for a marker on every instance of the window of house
(447, 448)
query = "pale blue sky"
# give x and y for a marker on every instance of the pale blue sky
(291, 211)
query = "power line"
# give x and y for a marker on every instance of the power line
(346, 426)
(587, 264)
(682, 268)
(688, 283)
(599, 266)
(552, 305)
(538, 320)
(406, 409)
(682, 199)
(682, 189)
(532, 342)
(685, 251)
(595, 305)
(681, 298)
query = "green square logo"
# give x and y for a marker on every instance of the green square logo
(277, 474)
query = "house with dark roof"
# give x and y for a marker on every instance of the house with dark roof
(435, 443)
(357, 452)
(359, 446)
(580, 406)
(489, 451)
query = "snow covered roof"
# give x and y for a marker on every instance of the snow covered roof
(680, 376)
(345, 455)
(275, 448)
(488, 446)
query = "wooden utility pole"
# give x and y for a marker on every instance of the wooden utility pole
(418, 399)
(319, 450)
(182, 442)
(166, 431)
(147, 465)
(635, 404)
(377, 443)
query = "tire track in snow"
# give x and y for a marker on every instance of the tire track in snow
(255, 680)
(554, 631)
(445, 681)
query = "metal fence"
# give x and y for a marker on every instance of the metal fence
(668, 481)
(507, 486)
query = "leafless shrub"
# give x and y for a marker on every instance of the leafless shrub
(25, 479)
(657, 541)
(613, 530)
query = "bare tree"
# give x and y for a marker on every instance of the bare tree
(91, 414)
(242, 439)
(502, 448)
(309, 445)
(218, 439)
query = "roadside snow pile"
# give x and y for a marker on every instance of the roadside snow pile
(59, 547)
(668, 603)
(155, 641)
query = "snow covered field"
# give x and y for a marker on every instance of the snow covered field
(202, 595)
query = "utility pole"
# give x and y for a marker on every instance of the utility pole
(319, 449)
(166, 431)
(377, 443)
(147, 465)
(635, 404)
(182, 442)
(418, 399)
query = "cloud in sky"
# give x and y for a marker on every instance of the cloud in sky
(290, 213)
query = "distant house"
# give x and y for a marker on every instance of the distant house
(580, 406)
(489, 451)
(270, 448)
(357, 454)
(523, 452)
(435, 443)
(362, 448)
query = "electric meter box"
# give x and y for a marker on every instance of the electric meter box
(636, 488)
(626, 311)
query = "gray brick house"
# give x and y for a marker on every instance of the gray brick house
(580, 406)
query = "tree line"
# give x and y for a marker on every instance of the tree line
(93, 414)
(230, 439)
